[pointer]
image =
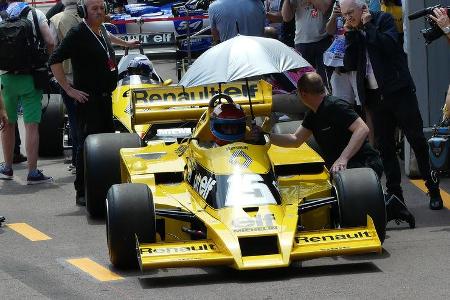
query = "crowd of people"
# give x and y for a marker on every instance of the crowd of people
(361, 88)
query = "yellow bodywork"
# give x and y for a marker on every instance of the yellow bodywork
(239, 235)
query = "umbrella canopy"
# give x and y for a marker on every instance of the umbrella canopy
(242, 57)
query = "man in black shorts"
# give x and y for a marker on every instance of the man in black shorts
(341, 135)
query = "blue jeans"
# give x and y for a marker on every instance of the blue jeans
(71, 113)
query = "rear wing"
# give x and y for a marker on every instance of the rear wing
(178, 104)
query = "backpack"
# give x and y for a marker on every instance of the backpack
(19, 49)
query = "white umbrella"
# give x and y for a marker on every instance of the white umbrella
(242, 57)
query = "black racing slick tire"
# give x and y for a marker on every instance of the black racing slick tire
(51, 133)
(359, 193)
(102, 167)
(130, 212)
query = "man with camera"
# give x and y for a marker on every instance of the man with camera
(442, 20)
(387, 89)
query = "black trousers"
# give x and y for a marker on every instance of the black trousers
(95, 116)
(398, 109)
(373, 161)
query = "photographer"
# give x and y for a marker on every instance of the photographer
(442, 20)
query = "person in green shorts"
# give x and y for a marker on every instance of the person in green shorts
(15, 87)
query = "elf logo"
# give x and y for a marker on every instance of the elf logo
(203, 185)
(266, 220)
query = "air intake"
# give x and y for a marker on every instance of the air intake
(260, 245)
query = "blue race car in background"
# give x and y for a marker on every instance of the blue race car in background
(165, 24)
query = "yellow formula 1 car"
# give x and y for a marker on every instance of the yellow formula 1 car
(247, 206)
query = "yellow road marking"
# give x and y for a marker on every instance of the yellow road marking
(29, 232)
(94, 269)
(421, 185)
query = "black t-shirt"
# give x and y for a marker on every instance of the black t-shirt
(329, 126)
(91, 72)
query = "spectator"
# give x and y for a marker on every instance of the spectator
(311, 38)
(88, 46)
(394, 7)
(17, 156)
(341, 135)
(374, 49)
(55, 9)
(21, 87)
(230, 17)
(60, 24)
(374, 5)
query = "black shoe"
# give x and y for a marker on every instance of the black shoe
(19, 158)
(396, 210)
(435, 200)
(79, 199)
(2, 219)
(435, 195)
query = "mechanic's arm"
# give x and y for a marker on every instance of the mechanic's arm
(127, 44)
(291, 140)
(288, 10)
(359, 131)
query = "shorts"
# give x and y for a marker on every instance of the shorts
(17, 88)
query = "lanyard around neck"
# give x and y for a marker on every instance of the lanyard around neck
(101, 44)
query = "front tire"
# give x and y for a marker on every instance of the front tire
(102, 167)
(130, 211)
(360, 194)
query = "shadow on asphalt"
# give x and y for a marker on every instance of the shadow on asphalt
(13, 187)
(225, 275)
(368, 256)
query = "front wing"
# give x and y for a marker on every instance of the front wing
(306, 245)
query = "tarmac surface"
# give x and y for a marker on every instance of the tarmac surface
(50, 249)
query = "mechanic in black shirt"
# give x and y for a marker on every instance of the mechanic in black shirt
(88, 45)
(341, 135)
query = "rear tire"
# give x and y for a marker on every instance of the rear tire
(102, 167)
(51, 127)
(360, 194)
(130, 210)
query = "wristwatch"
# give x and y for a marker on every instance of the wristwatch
(446, 29)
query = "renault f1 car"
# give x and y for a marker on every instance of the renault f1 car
(249, 206)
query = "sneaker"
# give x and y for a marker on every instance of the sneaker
(19, 158)
(72, 169)
(37, 177)
(435, 199)
(397, 211)
(5, 172)
(79, 199)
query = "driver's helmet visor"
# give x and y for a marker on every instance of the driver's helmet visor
(230, 130)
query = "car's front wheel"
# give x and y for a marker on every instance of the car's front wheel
(130, 213)
(359, 193)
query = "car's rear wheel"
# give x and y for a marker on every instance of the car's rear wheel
(130, 212)
(102, 167)
(51, 127)
(360, 194)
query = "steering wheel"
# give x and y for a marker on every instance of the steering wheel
(217, 98)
